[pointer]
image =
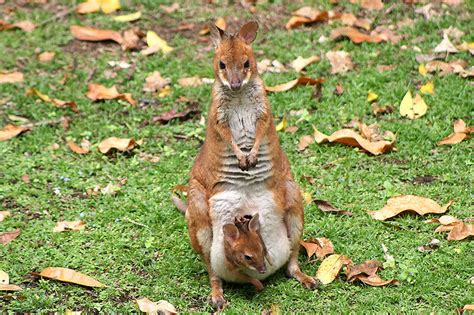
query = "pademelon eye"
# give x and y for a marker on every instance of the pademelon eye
(247, 64)
(247, 257)
(221, 65)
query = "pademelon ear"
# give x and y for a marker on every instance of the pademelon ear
(254, 224)
(231, 233)
(248, 32)
(217, 34)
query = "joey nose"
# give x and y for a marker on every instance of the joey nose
(236, 85)
(262, 269)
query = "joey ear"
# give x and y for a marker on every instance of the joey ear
(217, 34)
(231, 233)
(254, 224)
(248, 32)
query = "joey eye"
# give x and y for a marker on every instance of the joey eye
(247, 257)
(221, 65)
(247, 64)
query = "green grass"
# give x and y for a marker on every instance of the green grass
(156, 260)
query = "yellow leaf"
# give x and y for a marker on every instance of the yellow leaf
(128, 17)
(4, 214)
(89, 6)
(71, 276)
(109, 6)
(422, 70)
(330, 267)
(419, 106)
(152, 39)
(371, 96)
(413, 108)
(164, 92)
(306, 197)
(282, 125)
(428, 88)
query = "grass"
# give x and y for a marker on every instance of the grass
(154, 258)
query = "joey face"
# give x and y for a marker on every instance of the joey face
(234, 62)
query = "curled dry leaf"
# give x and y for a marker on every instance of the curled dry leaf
(149, 307)
(10, 287)
(4, 215)
(300, 63)
(376, 281)
(380, 110)
(330, 268)
(341, 61)
(444, 220)
(11, 131)
(95, 34)
(100, 92)
(412, 203)
(352, 138)
(428, 247)
(461, 231)
(69, 226)
(305, 141)
(326, 206)
(131, 38)
(413, 108)
(7, 237)
(70, 276)
(11, 77)
(171, 8)
(356, 36)
(445, 68)
(54, 101)
(120, 144)
(371, 4)
(307, 15)
(289, 85)
(155, 82)
(320, 246)
(83, 149)
(445, 46)
(190, 111)
(25, 26)
(350, 19)
(368, 268)
(460, 133)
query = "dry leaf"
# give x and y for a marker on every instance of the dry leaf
(352, 138)
(155, 43)
(70, 276)
(341, 61)
(371, 4)
(350, 19)
(282, 125)
(428, 247)
(422, 70)
(376, 281)
(356, 36)
(46, 56)
(412, 108)
(11, 77)
(4, 215)
(330, 268)
(171, 8)
(56, 102)
(371, 96)
(427, 88)
(190, 111)
(300, 63)
(83, 149)
(461, 231)
(131, 38)
(306, 15)
(128, 17)
(7, 237)
(162, 307)
(190, 81)
(444, 220)
(368, 268)
(154, 82)
(95, 34)
(326, 206)
(26, 26)
(271, 66)
(289, 85)
(305, 141)
(120, 144)
(445, 46)
(10, 287)
(69, 226)
(379, 110)
(320, 246)
(100, 92)
(11, 131)
(91, 6)
(403, 203)
(454, 138)
(455, 66)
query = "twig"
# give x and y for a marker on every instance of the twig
(136, 223)
(59, 15)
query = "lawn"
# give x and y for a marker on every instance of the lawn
(136, 242)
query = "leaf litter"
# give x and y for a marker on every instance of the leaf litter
(326, 206)
(70, 276)
(320, 246)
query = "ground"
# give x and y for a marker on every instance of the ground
(136, 242)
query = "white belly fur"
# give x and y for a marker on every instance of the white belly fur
(227, 205)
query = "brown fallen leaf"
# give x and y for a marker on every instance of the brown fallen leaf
(428, 247)
(11, 131)
(69, 226)
(444, 220)
(445, 228)
(300, 63)
(120, 144)
(375, 280)
(330, 268)
(291, 84)
(25, 26)
(380, 110)
(56, 102)
(341, 61)
(83, 149)
(356, 36)
(4, 215)
(352, 138)
(307, 15)
(10, 287)
(326, 206)
(460, 133)
(461, 231)
(188, 112)
(155, 82)
(445, 46)
(190, 81)
(170, 8)
(320, 246)
(132, 39)
(305, 141)
(7, 237)
(46, 56)
(100, 92)
(368, 268)
(403, 203)
(445, 68)
(70, 276)
(371, 4)
(95, 34)
(219, 22)
(162, 307)
(11, 77)
(350, 19)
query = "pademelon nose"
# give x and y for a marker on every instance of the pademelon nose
(236, 85)
(262, 269)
